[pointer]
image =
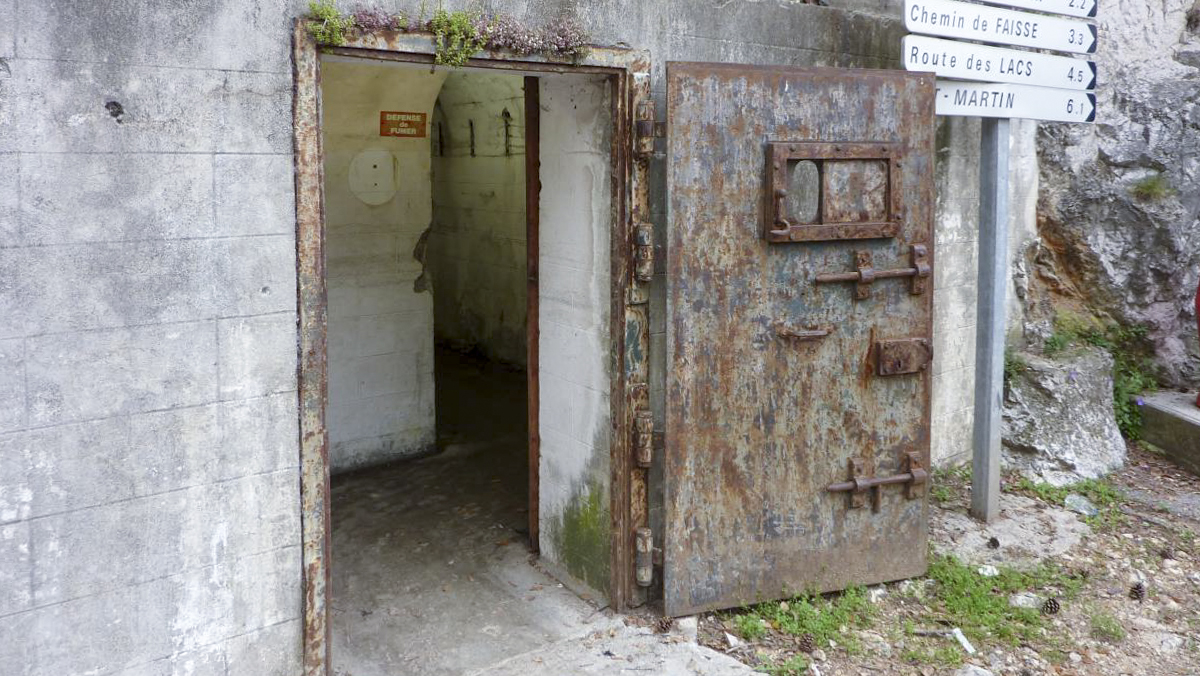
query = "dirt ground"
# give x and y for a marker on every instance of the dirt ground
(997, 588)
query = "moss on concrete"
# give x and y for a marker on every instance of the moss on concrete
(581, 537)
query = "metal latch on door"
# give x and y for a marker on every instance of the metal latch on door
(912, 475)
(865, 274)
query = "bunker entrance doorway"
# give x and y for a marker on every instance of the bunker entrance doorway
(467, 238)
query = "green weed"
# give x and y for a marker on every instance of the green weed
(749, 627)
(1056, 343)
(1013, 365)
(793, 666)
(1103, 495)
(946, 655)
(456, 36)
(326, 23)
(812, 614)
(979, 605)
(948, 481)
(1106, 628)
(1152, 188)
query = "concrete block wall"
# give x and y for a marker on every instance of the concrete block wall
(477, 253)
(381, 386)
(574, 262)
(149, 492)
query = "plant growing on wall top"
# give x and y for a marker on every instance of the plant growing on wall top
(326, 23)
(456, 35)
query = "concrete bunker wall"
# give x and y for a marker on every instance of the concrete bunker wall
(477, 249)
(574, 257)
(148, 421)
(380, 314)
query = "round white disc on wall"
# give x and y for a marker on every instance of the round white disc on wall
(373, 176)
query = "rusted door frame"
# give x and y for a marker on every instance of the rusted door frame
(628, 73)
(533, 190)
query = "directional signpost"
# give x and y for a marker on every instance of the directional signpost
(996, 84)
(953, 19)
(1007, 100)
(969, 61)
(1083, 8)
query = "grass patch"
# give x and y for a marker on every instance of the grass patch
(946, 655)
(1106, 628)
(1152, 188)
(979, 605)
(796, 665)
(948, 481)
(1013, 365)
(1103, 495)
(810, 614)
(1187, 536)
(1133, 370)
(749, 627)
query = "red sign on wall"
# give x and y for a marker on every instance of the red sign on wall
(397, 123)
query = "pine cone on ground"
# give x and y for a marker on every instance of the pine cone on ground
(663, 624)
(1138, 591)
(1051, 606)
(807, 643)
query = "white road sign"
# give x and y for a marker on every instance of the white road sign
(969, 61)
(951, 19)
(1011, 100)
(1081, 8)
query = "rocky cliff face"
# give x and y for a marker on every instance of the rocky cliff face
(1118, 216)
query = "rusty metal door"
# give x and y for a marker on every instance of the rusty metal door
(799, 308)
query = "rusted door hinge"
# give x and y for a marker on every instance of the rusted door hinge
(643, 252)
(644, 557)
(646, 129)
(644, 438)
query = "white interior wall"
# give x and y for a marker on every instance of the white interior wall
(574, 298)
(380, 333)
(477, 254)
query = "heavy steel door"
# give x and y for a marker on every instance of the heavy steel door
(799, 309)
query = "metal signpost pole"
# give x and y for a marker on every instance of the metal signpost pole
(989, 323)
(980, 75)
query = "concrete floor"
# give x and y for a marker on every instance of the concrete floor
(432, 572)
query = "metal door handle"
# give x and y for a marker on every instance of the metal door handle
(794, 333)
(864, 273)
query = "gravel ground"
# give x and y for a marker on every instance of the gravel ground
(1148, 534)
